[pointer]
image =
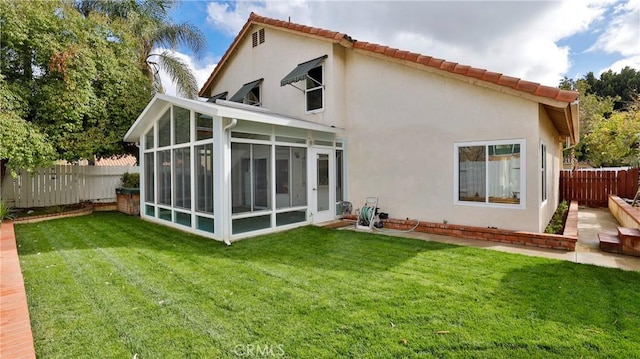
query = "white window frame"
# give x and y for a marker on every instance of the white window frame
(544, 170)
(247, 101)
(172, 208)
(320, 86)
(523, 173)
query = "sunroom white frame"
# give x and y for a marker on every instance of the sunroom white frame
(227, 117)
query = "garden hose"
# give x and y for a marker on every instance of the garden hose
(366, 214)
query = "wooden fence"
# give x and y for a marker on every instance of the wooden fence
(64, 184)
(592, 187)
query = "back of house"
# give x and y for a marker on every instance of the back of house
(300, 119)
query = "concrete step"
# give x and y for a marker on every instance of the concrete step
(609, 243)
(630, 240)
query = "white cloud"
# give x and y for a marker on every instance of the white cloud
(515, 38)
(201, 73)
(631, 61)
(622, 36)
(231, 17)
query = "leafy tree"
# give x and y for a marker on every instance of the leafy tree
(568, 84)
(22, 144)
(77, 77)
(615, 141)
(150, 22)
(593, 107)
(609, 129)
(624, 86)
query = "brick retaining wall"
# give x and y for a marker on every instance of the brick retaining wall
(88, 209)
(566, 241)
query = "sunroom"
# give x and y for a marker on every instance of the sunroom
(227, 170)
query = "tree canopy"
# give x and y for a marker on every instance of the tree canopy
(624, 86)
(151, 25)
(77, 77)
(614, 141)
(21, 142)
(609, 118)
(76, 74)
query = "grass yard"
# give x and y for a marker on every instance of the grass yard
(112, 286)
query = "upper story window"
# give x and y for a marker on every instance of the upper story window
(253, 97)
(249, 94)
(220, 96)
(312, 72)
(490, 173)
(314, 92)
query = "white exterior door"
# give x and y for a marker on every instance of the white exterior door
(322, 179)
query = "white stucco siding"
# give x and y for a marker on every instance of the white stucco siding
(402, 127)
(273, 60)
(551, 138)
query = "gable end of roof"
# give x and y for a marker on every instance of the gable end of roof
(495, 78)
(333, 36)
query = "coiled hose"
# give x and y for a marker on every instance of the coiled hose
(367, 215)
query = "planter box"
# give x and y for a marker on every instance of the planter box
(128, 200)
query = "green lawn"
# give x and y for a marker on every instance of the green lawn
(113, 286)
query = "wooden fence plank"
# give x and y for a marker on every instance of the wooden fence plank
(632, 182)
(64, 184)
(593, 187)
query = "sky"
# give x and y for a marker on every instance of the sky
(540, 41)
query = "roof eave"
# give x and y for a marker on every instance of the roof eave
(130, 136)
(574, 109)
(221, 108)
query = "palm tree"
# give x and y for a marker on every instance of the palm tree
(151, 25)
(171, 36)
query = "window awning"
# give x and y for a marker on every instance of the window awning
(300, 72)
(244, 90)
(220, 96)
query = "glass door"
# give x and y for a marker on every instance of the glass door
(322, 180)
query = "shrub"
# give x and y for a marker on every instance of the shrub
(131, 180)
(556, 225)
(6, 212)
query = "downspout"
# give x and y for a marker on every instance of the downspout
(233, 124)
(227, 197)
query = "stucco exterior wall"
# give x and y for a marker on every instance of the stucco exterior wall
(551, 138)
(273, 60)
(402, 127)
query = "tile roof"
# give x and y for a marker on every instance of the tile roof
(515, 83)
(127, 160)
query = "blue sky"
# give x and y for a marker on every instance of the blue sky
(540, 41)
